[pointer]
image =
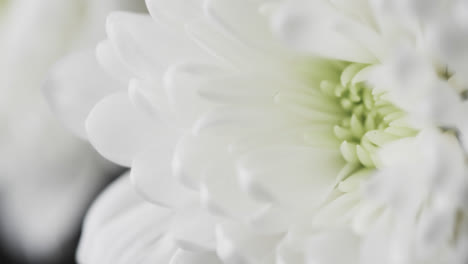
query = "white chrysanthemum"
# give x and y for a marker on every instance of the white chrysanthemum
(47, 176)
(277, 143)
(421, 181)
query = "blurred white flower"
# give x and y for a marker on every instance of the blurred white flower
(297, 152)
(47, 176)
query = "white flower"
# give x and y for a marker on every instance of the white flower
(421, 180)
(47, 177)
(277, 143)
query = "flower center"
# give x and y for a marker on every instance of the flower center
(343, 111)
(370, 120)
(360, 118)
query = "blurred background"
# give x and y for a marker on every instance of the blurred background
(48, 176)
(65, 254)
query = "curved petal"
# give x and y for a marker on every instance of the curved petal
(316, 27)
(192, 156)
(152, 175)
(239, 244)
(147, 47)
(175, 12)
(221, 193)
(109, 59)
(119, 220)
(288, 174)
(118, 130)
(242, 21)
(71, 95)
(193, 229)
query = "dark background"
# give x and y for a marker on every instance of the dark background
(66, 256)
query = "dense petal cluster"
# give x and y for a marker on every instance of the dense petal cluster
(284, 131)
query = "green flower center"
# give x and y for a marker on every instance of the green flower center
(371, 121)
(360, 119)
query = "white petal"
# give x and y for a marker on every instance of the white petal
(234, 120)
(118, 130)
(151, 99)
(253, 88)
(145, 46)
(133, 37)
(121, 220)
(163, 251)
(152, 176)
(290, 174)
(337, 211)
(224, 48)
(193, 229)
(109, 59)
(177, 12)
(242, 21)
(435, 229)
(194, 155)
(71, 95)
(239, 244)
(317, 28)
(376, 245)
(331, 247)
(119, 193)
(288, 254)
(272, 219)
(221, 192)
(187, 257)
(180, 83)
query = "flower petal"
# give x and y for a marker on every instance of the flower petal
(323, 247)
(109, 59)
(193, 229)
(316, 27)
(176, 12)
(221, 192)
(242, 21)
(152, 175)
(117, 130)
(145, 46)
(121, 220)
(187, 257)
(239, 244)
(290, 173)
(70, 95)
